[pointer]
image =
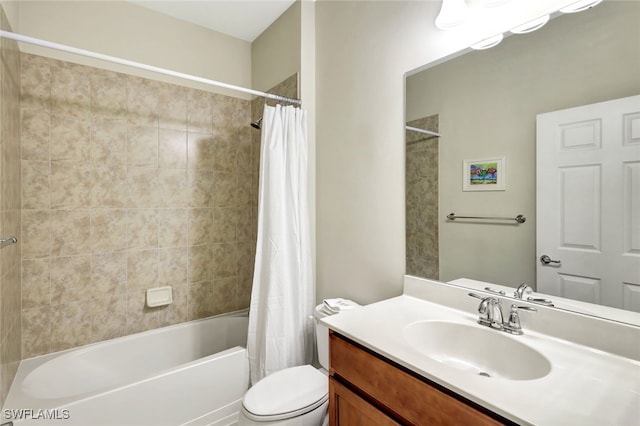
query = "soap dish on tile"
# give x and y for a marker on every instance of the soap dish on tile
(159, 296)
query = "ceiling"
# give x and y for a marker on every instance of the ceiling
(243, 19)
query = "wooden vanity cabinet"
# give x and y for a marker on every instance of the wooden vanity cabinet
(348, 408)
(366, 389)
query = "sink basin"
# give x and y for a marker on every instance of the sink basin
(477, 350)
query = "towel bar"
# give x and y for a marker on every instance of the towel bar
(8, 241)
(520, 218)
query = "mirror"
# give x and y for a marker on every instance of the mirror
(484, 104)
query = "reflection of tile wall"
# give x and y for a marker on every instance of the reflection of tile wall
(129, 184)
(422, 199)
(10, 329)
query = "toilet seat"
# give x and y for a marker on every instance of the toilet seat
(286, 394)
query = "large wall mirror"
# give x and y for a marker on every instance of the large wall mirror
(484, 106)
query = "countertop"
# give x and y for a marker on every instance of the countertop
(584, 387)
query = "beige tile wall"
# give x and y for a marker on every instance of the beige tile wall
(10, 330)
(422, 258)
(129, 184)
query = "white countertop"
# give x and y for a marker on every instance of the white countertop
(585, 386)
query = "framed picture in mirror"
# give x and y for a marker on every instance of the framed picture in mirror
(484, 174)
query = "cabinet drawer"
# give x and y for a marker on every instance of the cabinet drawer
(348, 409)
(410, 399)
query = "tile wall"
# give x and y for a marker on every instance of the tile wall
(10, 331)
(130, 184)
(422, 199)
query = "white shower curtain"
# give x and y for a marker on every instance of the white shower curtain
(280, 329)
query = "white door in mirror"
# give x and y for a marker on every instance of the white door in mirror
(588, 203)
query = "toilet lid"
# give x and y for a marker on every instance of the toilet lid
(287, 393)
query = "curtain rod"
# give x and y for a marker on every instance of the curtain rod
(426, 132)
(100, 56)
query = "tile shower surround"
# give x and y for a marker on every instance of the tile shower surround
(129, 184)
(422, 257)
(10, 330)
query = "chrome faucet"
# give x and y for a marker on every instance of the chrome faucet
(513, 324)
(490, 310)
(490, 314)
(522, 289)
(525, 290)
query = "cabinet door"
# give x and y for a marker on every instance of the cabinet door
(404, 396)
(348, 409)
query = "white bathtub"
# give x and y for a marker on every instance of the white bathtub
(192, 374)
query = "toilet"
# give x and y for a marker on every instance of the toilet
(297, 395)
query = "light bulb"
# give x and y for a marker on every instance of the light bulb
(488, 42)
(452, 13)
(579, 6)
(530, 26)
(492, 3)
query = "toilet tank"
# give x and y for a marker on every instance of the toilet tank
(322, 342)
(322, 332)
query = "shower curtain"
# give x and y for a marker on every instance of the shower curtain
(280, 325)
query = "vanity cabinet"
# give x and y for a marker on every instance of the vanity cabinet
(348, 408)
(367, 389)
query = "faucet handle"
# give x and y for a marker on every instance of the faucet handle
(490, 310)
(522, 290)
(494, 311)
(513, 325)
(477, 296)
(483, 308)
(494, 291)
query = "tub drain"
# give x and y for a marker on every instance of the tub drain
(483, 374)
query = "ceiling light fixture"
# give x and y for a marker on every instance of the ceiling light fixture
(478, 14)
(492, 3)
(530, 26)
(580, 6)
(452, 13)
(488, 42)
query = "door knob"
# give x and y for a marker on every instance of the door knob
(545, 260)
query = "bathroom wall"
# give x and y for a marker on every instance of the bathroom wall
(363, 51)
(10, 281)
(129, 31)
(275, 54)
(11, 10)
(364, 48)
(117, 210)
(129, 184)
(421, 198)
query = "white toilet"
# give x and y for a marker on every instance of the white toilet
(298, 395)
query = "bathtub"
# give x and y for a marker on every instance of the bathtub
(192, 374)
